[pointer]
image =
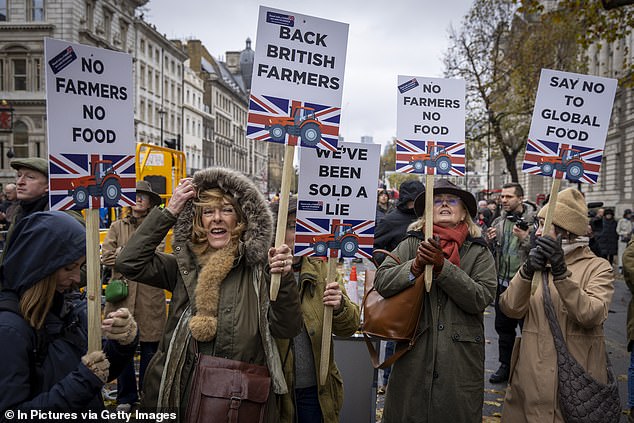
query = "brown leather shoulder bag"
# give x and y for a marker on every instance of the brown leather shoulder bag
(391, 319)
(230, 391)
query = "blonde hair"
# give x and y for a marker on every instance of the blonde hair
(474, 230)
(215, 197)
(36, 301)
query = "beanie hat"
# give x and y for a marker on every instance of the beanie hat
(571, 212)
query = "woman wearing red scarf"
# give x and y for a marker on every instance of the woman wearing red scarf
(442, 378)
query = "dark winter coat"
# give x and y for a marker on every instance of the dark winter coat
(609, 238)
(178, 273)
(42, 369)
(442, 378)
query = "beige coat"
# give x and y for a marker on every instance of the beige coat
(581, 304)
(146, 303)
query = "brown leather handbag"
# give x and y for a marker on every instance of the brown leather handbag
(392, 319)
(228, 391)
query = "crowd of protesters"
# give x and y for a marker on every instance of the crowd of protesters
(221, 318)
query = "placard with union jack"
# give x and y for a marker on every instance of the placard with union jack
(573, 162)
(297, 81)
(284, 121)
(430, 157)
(79, 181)
(334, 237)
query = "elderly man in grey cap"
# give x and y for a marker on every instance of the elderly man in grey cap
(32, 191)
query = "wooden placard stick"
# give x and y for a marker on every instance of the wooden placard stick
(552, 202)
(93, 286)
(326, 334)
(280, 233)
(429, 224)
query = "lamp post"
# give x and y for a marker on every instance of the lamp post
(161, 113)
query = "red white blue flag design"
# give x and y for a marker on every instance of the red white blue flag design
(573, 162)
(66, 168)
(315, 237)
(430, 157)
(263, 107)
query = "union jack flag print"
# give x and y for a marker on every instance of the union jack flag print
(66, 169)
(263, 109)
(334, 238)
(430, 157)
(573, 162)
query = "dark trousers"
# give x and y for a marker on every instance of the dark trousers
(307, 405)
(126, 382)
(505, 328)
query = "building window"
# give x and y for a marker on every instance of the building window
(142, 110)
(107, 25)
(149, 51)
(1, 75)
(149, 79)
(142, 46)
(157, 83)
(37, 70)
(142, 75)
(35, 10)
(19, 74)
(90, 15)
(123, 33)
(20, 140)
(4, 10)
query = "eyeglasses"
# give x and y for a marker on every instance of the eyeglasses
(142, 197)
(452, 201)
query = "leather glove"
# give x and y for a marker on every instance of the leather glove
(536, 261)
(97, 363)
(120, 326)
(552, 249)
(432, 253)
(418, 265)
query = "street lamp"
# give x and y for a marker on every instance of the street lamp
(161, 113)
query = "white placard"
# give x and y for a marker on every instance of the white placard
(337, 196)
(569, 126)
(90, 124)
(297, 82)
(430, 109)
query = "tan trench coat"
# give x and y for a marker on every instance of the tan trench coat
(146, 303)
(581, 304)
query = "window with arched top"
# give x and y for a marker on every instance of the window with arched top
(20, 139)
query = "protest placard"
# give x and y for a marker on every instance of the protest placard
(568, 131)
(430, 126)
(336, 204)
(297, 82)
(90, 124)
(569, 126)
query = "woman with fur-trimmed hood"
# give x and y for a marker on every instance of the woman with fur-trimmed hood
(219, 277)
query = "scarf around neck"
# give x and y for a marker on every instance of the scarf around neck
(451, 239)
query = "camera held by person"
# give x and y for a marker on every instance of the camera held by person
(519, 221)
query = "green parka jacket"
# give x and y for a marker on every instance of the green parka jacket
(245, 318)
(442, 378)
(312, 283)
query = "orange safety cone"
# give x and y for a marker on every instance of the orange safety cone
(353, 274)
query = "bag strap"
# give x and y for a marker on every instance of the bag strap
(387, 253)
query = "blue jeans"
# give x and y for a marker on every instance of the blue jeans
(389, 351)
(307, 405)
(630, 381)
(127, 383)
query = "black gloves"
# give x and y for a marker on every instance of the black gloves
(547, 249)
(536, 261)
(551, 248)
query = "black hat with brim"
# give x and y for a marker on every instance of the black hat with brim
(444, 186)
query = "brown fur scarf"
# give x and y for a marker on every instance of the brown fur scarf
(216, 266)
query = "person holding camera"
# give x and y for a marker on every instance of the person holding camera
(510, 239)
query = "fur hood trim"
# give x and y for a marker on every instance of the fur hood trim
(258, 235)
